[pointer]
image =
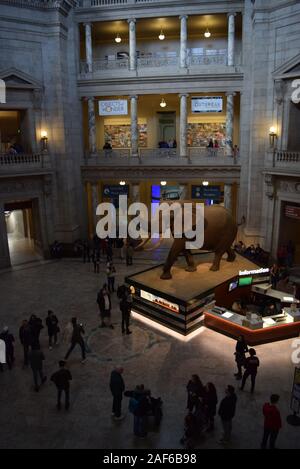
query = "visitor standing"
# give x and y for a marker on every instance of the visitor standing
(251, 366)
(129, 254)
(195, 390)
(227, 411)
(53, 329)
(117, 388)
(210, 404)
(62, 379)
(36, 358)
(274, 275)
(104, 303)
(36, 325)
(25, 336)
(273, 423)
(77, 339)
(125, 308)
(9, 340)
(111, 275)
(240, 355)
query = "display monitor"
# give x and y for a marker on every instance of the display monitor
(245, 281)
(233, 285)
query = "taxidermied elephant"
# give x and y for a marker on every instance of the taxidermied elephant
(220, 231)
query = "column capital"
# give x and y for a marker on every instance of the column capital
(183, 95)
(231, 14)
(181, 17)
(231, 93)
(87, 24)
(133, 96)
(131, 20)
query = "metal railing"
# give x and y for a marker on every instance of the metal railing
(104, 3)
(154, 60)
(216, 58)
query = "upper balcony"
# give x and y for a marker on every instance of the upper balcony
(170, 46)
(283, 161)
(24, 164)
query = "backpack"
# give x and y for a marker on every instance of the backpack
(133, 405)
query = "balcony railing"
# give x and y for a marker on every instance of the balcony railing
(216, 58)
(23, 162)
(160, 156)
(287, 156)
(283, 159)
(107, 3)
(153, 60)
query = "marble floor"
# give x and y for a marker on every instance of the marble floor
(162, 363)
(22, 251)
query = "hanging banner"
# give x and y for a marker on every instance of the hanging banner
(118, 107)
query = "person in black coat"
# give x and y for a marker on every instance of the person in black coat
(210, 403)
(104, 304)
(240, 355)
(77, 338)
(62, 379)
(195, 390)
(36, 326)
(227, 412)
(53, 329)
(9, 340)
(251, 366)
(36, 358)
(125, 308)
(117, 387)
(25, 335)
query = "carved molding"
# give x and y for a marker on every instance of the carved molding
(270, 186)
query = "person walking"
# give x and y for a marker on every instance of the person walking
(117, 388)
(104, 303)
(240, 355)
(96, 262)
(251, 366)
(36, 358)
(78, 332)
(210, 404)
(227, 411)
(36, 325)
(111, 275)
(9, 340)
(273, 422)
(25, 335)
(53, 329)
(195, 390)
(62, 379)
(129, 254)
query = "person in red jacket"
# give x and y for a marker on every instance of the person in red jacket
(273, 422)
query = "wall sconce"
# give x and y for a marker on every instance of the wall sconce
(44, 140)
(272, 136)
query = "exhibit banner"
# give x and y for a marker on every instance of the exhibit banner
(291, 211)
(159, 301)
(118, 107)
(295, 404)
(207, 104)
(114, 191)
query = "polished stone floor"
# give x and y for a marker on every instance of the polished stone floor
(162, 363)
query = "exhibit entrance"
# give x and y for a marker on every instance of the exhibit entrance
(289, 232)
(167, 127)
(23, 232)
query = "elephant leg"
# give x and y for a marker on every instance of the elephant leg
(178, 246)
(190, 261)
(217, 260)
(231, 255)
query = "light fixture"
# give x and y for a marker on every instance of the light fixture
(118, 38)
(44, 140)
(163, 183)
(207, 33)
(163, 103)
(161, 36)
(122, 183)
(272, 135)
(205, 183)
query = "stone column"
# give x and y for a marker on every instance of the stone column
(228, 197)
(183, 41)
(229, 123)
(92, 125)
(231, 38)
(132, 44)
(88, 46)
(95, 202)
(4, 250)
(183, 125)
(134, 126)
